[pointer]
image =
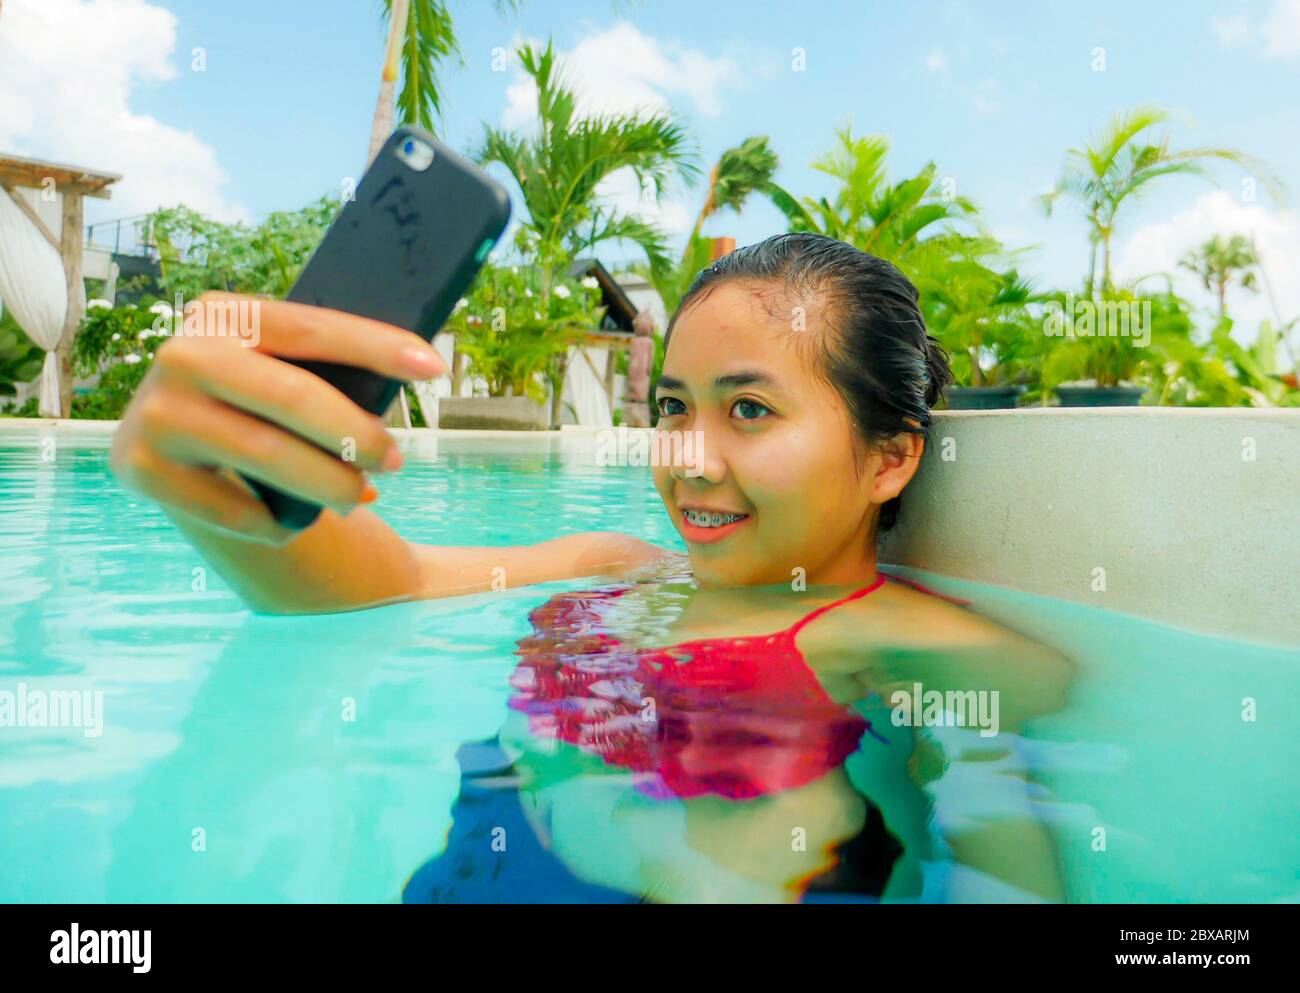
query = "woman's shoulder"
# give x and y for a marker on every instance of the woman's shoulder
(925, 618)
(897, 617)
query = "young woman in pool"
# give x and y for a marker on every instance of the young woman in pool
(803, 365)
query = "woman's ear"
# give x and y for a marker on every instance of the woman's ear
(896, 462)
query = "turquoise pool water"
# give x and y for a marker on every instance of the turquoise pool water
(252, 758)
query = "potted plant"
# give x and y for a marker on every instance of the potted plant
(980, 316)
(1104, 344)
(515, 328)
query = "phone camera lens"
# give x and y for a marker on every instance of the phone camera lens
(415, 153)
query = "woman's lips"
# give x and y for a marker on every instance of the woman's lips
(707, 536)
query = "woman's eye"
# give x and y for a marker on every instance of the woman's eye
(663, 405)
(742, 405)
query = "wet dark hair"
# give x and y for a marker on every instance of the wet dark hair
(875, 353)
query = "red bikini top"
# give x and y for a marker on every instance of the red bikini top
(737, 717)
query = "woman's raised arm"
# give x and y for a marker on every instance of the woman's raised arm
(216, 406)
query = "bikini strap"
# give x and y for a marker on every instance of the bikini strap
(925, 589)
(880, 581)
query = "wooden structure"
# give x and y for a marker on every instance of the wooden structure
(615, 332)
(73, 183)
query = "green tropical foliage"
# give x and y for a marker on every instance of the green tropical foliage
(118, 344)
(1191, 375)
(909, 222)
(129, 334)
(1255, 367)
(197, 253)
(518, 322)
(980, 312)
(560, 167)
(109, 399)
(428, 39)
(739, 173)
(20, 357)
(672, 282)
(515, 334)
(1120, 163)
(1219, 261)
(1159, 328)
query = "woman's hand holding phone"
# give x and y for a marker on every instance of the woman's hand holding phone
(215, 405)
(258, 447)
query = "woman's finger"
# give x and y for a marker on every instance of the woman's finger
(285, 395)
(206, 496)
(299, 331)
(199, 430)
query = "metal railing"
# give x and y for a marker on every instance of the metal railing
(124, 236)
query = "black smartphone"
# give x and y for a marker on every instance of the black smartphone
(403, 251)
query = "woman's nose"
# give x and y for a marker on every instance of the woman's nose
(692, 457)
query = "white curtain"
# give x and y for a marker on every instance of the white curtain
(34, 288)
(585, 390)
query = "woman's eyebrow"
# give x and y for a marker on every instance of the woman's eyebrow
(731, 380)
(746, 377)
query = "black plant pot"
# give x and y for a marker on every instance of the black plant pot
(1100, 396)
(983, 397)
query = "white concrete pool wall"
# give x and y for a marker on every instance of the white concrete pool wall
(1181, 515)
(1186, 516)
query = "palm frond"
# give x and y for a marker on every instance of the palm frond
(560, 169)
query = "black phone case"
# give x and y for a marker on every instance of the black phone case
(404, 251)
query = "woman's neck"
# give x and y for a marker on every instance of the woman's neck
(851, 570)
(853, 564)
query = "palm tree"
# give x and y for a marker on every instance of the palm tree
(1119, 163)
(1218, 261)
(909, 222)
(672, 282)
(421, 35)
(560, 168)
(739, 172)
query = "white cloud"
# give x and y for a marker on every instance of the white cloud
(1157, 247)
(70, 67)
(1231, 30)
(986, 98)
(1279, 30)
(620, 190)
(622, 70)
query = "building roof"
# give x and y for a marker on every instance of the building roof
(620, 311)
(18, 171)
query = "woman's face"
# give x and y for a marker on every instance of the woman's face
(775, 443)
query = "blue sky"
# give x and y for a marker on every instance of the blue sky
(993, 92)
